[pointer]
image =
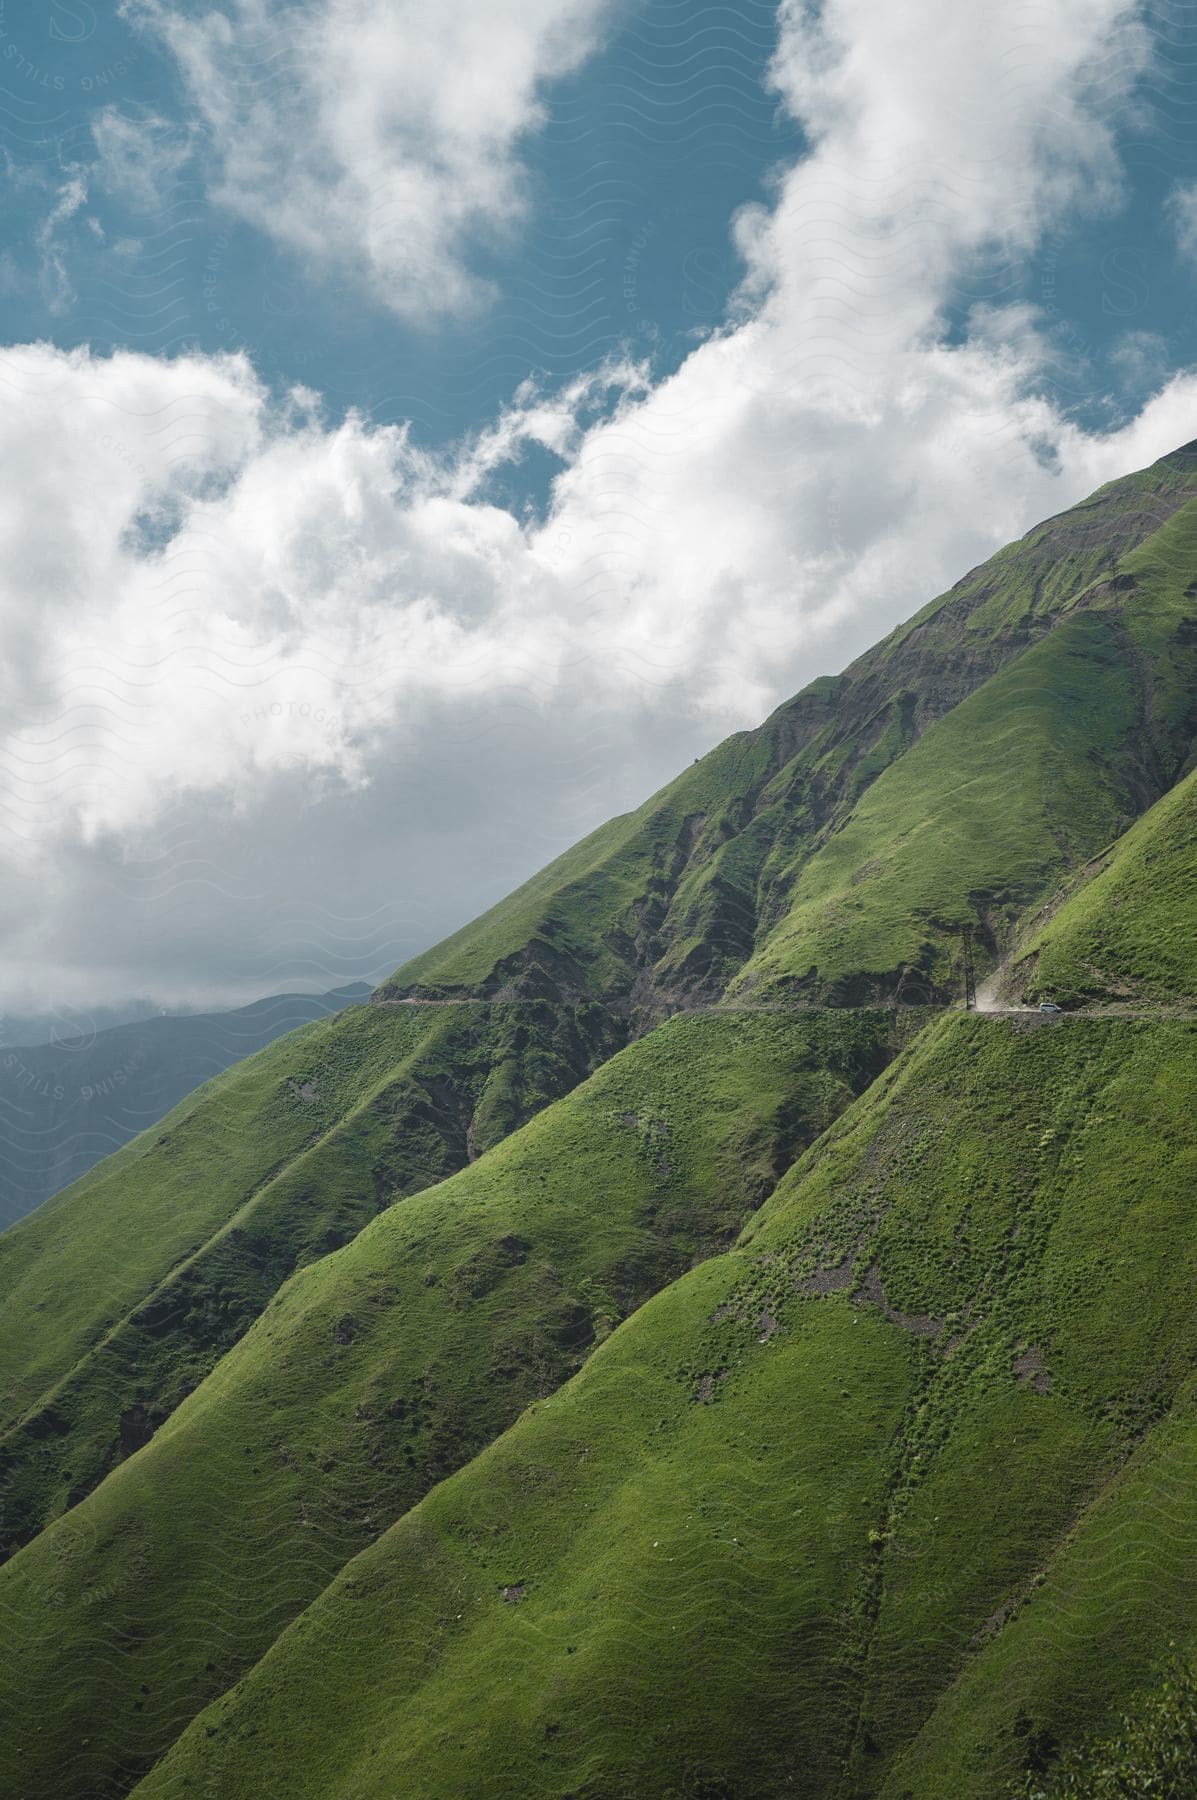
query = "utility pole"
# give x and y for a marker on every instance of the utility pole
(967, 970)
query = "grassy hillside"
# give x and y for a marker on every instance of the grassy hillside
(1127, 933)
(1023, 781)
(1152, 1750)
(64, 1105)
(379, 1369)
(668, 903)
(122, 1294)
(1111, 1603)
(788, 1511)
(159, 1199)
(518, 1395)
(978, 819)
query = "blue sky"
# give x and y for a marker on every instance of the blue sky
(644, 156)
(429, 423)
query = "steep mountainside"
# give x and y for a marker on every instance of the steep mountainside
(1126, 933)
(122, 1293)
(380, 1369)
(505, 1387)
(65, 1105)
(784, 1519)
(814, 856)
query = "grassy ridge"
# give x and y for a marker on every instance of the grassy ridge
(403, 1096)
(669, 902)
(572, 930)
(976, 820)
(1029, 776)
(1092, 1629)
(1127, 933)
(759, 1535)
(381, 1368)
(161, 1197)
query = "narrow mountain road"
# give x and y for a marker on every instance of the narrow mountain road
(987, 1004)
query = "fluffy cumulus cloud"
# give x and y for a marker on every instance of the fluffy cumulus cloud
(287, 696)
(380, 136)
(834, 457)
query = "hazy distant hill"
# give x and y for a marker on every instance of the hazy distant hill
(66, 1104)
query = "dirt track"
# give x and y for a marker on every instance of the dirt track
(987, 1004)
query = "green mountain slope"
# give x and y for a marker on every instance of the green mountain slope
(976, 821)
(1021, 782)
(383, 1367)
(120, 1295)
(791, 1501)
(408, 1415)
(1114, 1602)
(156, 1201)
(666, 905)
(1151, 1749)
(1126, 934)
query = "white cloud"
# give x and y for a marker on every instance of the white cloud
(139, 158)
(809, 476)
(1140, 360)
(57, 289)
(286, 696)
(1182, 211)
(378, 137)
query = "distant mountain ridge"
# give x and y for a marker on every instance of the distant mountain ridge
(65, 1105)
(691, 1356)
